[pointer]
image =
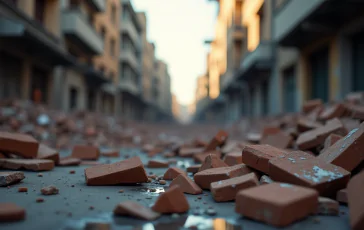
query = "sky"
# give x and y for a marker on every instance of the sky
(179, 28)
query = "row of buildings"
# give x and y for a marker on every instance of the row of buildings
(269, 56)
(82, 55)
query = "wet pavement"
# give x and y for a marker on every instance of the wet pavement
(78, 205)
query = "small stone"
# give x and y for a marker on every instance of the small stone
(149, 180)
(39, 200)
(162, 182)
(121, 191)
(22, 189)
(91, 208)
(50, 190)
(40, 175)
(72, 172)
(8, 178)
(107, 197)
(152, 190)
(211, 212)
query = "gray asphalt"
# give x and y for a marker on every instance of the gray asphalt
(70, 209)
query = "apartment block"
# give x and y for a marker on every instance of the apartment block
(163, 82)
(30, 49)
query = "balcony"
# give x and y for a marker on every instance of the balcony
(127, 27)
(127, 85)
(97, 5)
(298, 23)
(129, 57)
(79, 31)
(258, 61)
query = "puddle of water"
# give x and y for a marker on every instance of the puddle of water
(150, 191)
(81, 223)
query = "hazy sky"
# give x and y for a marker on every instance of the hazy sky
(178, 28)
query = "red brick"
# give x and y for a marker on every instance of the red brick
(333, 111)
(86, 152)
(276, 204)
(304, 124)
(212, 161)
(27, 164)
(171, 201)
(20, 144)
(90, 163)
(270, 130)
(217, 141)
(10, 212)
(110, 153)
(226, 190)
(157, 164)
(69, 161)
(357, 111)
(257, 156)
(198, 143)
(356, 202)
(186, 185)
(189, 152)
(342, 196)
(44, 152)
(331, 140)
(316, 137)
(233, 158)
(172, 173)
(206, 177)
(327, 207)
(308, 106)
(9, 178)
(355, 98)
(279, 140)
(199, 158)
(348, 152)
(129, 171)
(133, 209)
(301, 168)
(194, 168)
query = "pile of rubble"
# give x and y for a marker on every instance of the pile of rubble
(278, 171)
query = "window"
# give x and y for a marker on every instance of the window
(103, 33)
(112, 48)
(113, 14)
(73, 98)
(289, 89)
(39, 10)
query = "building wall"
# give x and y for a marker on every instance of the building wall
(111, 23)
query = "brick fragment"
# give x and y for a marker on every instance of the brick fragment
(10, 212)
(69, 161)
(157, 164)
(189, 152)
(186, 185)
(9, 178)
(357, 112)
(316, 137)
(27, 164)
(331, 140)
(199, 158)
(110, 153)
(49, 190)
(212, 161)
(270, 130)
(308, 106)
(333, 111)
(348, 152)
(279, 140)
(233, 158)
(355, 98)
(172, 173)
(95, 225)
(133, 209)
(198, 143)
(194, 168)
(327, 207)
(85, 152)
(355, 201)
(257, 156)
(301, 168)
(45, 152)
(90, 163)
(342, 196)
(277, 204)
(171, 201)
(19, 144)
(304, 124)
(22, 189)
(226, 190)
(128, 171)
(206, 177)
(217, 141)
(265, 180)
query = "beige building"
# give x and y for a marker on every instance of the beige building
(30, 49)
(176, 107)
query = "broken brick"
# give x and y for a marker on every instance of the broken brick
(49, 190)
(172, 173)
(44, 152)
(206, 177)
(327, 207)
(270, 130)
(199, 158)
(310, 105)
(277, 204)
(212, 161)
(90, 163)
(357, 112)
(131, 208)
(110, 153)
(186, 185)
(171, 201)
(348, 152)
(194, 168)
(9, 178)
(304, 124)
(20, 144)
(301, 168)
(333, 111)
(233, 158)
(198, 143)
(226, 190)
(217, 141)
(265, 180)
(157, 164)
(69, 161)
(316, 137)
(10, 212)
(355, 200)
(331, 140)
(279, 140)
(257, 156)
(128, 171)
(342, 196)
(189, 152)
(85, 152)
(22, 189)
(27, 164)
